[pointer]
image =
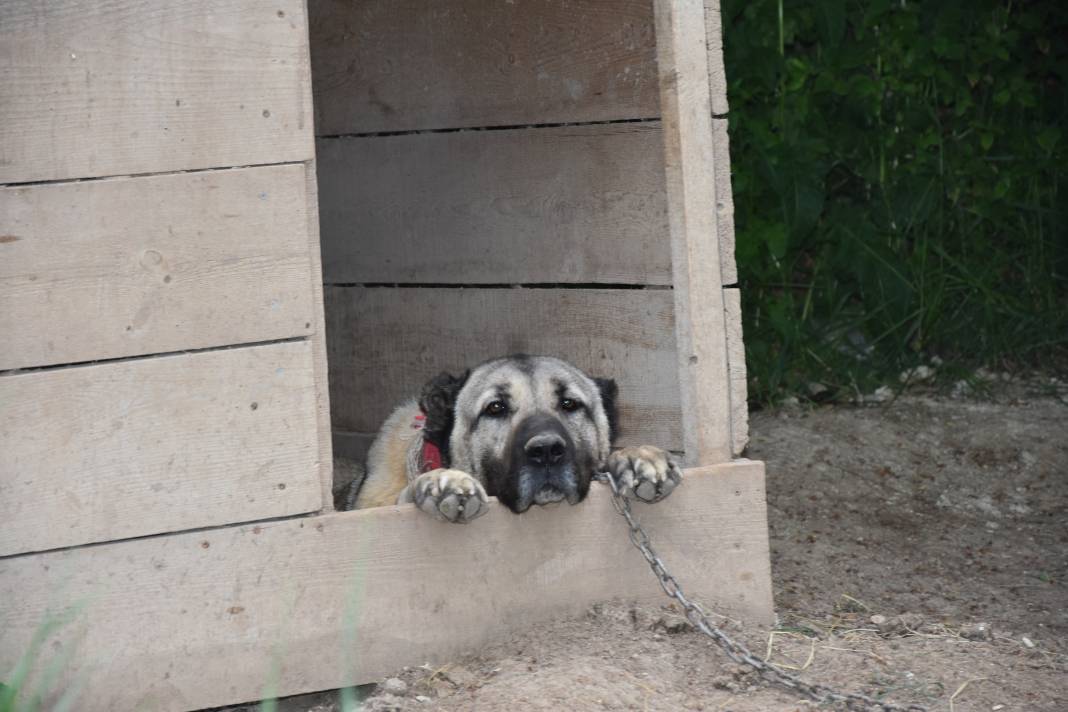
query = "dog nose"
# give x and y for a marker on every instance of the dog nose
(545, 449)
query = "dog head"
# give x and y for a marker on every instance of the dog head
(532, 429)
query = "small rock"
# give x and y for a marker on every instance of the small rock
(920, 373)
(881, 395)
(995, 708)
(1027, 642)
(816, 389)
(422, 698)
(394, 686)
(979, 631)
(878, 620)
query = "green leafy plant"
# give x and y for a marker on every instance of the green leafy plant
(898, 172)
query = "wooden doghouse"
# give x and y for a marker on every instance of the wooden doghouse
(486, 176)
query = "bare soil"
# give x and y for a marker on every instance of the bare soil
(919, 555)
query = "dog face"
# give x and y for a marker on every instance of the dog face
(532, 429)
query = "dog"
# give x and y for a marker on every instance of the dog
(528, 430)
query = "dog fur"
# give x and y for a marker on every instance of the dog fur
(529, 430)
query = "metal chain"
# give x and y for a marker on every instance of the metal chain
(737, 651)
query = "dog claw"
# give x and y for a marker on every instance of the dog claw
(449, 495)
(644, 472)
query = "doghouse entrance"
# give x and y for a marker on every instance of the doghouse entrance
(491, 180)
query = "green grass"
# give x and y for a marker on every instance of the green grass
(898, 172)
(17, 694)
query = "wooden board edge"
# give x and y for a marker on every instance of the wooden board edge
(318, 339)
(689, 163)
(721, 152)
(717, 74)
(732, 300)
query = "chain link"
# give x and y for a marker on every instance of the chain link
(737, 651)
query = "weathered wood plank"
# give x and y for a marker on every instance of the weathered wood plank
(717, 75)
(691, 191)
(318, 341)
(571, 204)
(397, 65)
(130, 448)
(198, 620)
(721, 153)
(384, 344)
(732, 303)
(94, 89)
(121, 267)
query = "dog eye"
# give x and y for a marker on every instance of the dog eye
(495, 409)
(569, 405)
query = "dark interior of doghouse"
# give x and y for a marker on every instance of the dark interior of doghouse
(491, 181)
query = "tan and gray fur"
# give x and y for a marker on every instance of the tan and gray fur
(530, 430)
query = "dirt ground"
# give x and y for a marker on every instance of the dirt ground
(919, 555)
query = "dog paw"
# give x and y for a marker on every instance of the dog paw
(645, 472)
(451, 495)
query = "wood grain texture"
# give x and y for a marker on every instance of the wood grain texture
(691, 190)
(581, 204)
(398, 65)
(721, 154)
(385, 343)
(717, 75)
(130, 448)
(95, 89)
(732, 303)
(325, 464)
(197, 620)
(127, 266)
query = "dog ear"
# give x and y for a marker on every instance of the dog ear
(609, 390)
(438, 402)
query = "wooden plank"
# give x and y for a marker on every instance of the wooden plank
(384, 344)
(561, 204)
(721, 154)
(121, 267)
(689, 168)
(325, 463)
(130, 448)
(717, 75)
(200, 619)
(95, 89)
(578, 204)
(732, 302)
(399, 65)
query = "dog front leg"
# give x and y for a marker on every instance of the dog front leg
(450, 495)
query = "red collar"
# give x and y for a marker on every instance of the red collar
(430, 457)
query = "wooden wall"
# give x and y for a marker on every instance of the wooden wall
(492, 179)
(495, 177)
(162, 362)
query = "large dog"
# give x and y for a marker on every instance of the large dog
(525, 429)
